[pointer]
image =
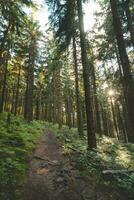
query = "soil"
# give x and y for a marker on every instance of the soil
(54, 176)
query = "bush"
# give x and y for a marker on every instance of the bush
(17, 141)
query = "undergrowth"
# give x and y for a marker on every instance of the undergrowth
(109, 155)
(17, 140)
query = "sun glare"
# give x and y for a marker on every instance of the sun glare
(41, 14)
(111, 93)
(89, 9)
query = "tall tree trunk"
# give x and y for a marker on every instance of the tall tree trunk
(68, 110)
(26, 99)
(17, 91)
(54, 96)
(128, 79)
(78, 104)
(46, 111)
(59, 99)
(104, 121)
(125, 112)
(121, 123)
(114, 119)
(50, 118)
(30, 81)
(4, 87)
(6, 99)
(97, 114)
(30, 93)
(13, 100)
(37, 115)
(89, 112)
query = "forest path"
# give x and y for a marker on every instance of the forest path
(53, 176)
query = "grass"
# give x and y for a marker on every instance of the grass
(109, 155)
(17, 141)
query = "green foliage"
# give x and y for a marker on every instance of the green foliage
(109, 155)
(62, 19)
(17, 141)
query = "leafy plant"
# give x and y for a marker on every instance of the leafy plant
(17, 141)
(109, 155)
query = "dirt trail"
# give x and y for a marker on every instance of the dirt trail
(52, 176)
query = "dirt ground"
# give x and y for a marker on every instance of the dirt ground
(53, 176)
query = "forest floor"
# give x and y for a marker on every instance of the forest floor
(55, 176)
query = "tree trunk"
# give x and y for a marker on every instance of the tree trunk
(78, 104)
(128, 79)
(89, 112)
(37, 116)
(4, 87)
(13, 100)
(97, 114)
(30, 93)
(68, 111)
(59, 98)
(114, 120)
(17, 92)
(104, 121)
(121, 123)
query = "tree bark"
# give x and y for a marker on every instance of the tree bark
(17, 92)
(128, 79)
(89, 112)
(4, 87)
(78, 104)
(97, 114)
